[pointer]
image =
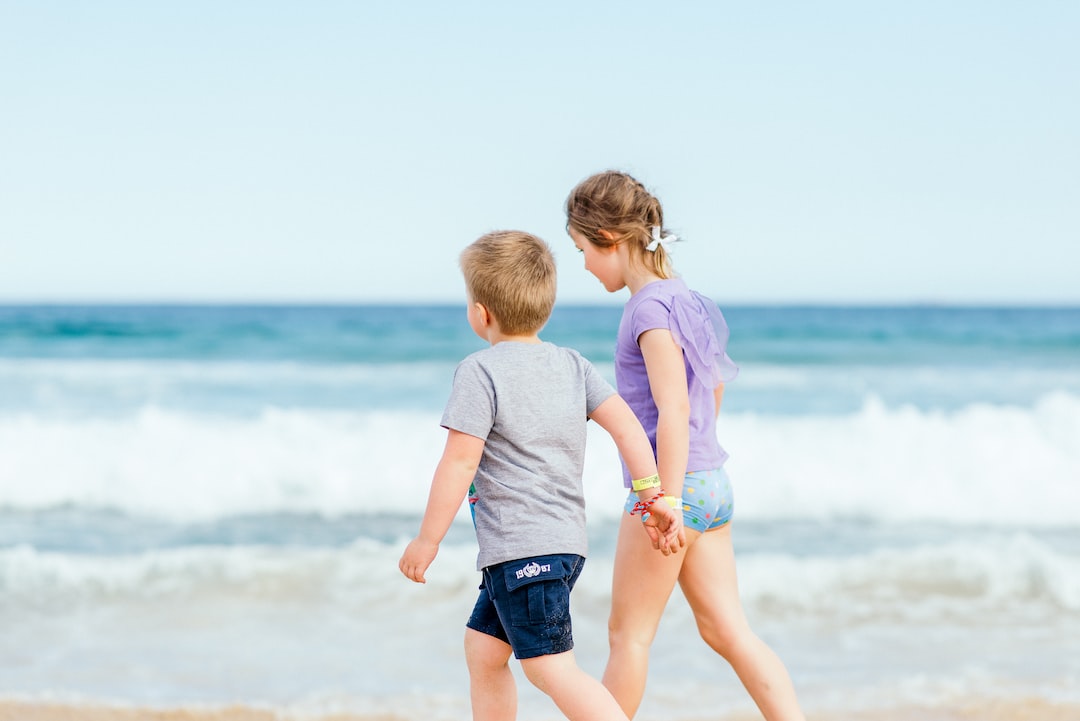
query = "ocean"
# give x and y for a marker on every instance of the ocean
(205, 505)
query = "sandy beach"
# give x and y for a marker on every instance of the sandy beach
(989, 710)
(30, 711)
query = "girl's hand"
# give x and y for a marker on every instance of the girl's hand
(417, 557)
(664, 525)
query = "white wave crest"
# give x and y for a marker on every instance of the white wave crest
(187, 466)
(952, 582)
(1013, 575)
(980, 464)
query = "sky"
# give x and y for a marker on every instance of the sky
(339, 152)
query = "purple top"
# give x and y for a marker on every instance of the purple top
(699, 328)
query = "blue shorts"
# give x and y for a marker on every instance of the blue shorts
(708, 500)
(526, 603)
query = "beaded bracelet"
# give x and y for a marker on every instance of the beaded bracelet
(643, 506)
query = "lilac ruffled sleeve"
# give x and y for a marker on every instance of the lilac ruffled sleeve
(698, 326)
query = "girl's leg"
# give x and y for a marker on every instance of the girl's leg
(577, 694)
(640, 588)
(491, 683)
(708, 581)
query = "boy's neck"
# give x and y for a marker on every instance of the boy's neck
(495, 337)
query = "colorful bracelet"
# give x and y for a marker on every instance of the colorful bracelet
(643, 484)
(643, 506)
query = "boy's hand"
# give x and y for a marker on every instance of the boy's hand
(417, 557)
(664, 525)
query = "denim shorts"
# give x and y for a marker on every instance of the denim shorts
(526, 603)
(708, 500)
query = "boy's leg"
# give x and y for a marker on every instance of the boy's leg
(491, 683)
(577, 694)
(487, 653)
(532, 597)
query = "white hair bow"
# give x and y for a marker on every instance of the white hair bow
(658, 240)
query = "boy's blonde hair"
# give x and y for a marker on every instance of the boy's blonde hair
(512, 274)
(616, 202)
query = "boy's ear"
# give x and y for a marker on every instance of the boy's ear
(483, 315)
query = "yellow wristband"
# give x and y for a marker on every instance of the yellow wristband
(643, 484)
(673, 501)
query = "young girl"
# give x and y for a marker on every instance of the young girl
(670, 366)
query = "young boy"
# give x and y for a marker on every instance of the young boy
(516, 423)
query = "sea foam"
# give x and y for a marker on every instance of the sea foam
(980, 464)
(1014, 577)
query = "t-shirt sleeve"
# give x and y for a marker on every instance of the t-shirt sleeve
(650, 314)
(471, 408)
(699, 328)
(597, 390)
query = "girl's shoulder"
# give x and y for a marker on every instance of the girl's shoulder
(663, 294)
(652, 306)
(695, 322)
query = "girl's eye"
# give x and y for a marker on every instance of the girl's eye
(580, 250)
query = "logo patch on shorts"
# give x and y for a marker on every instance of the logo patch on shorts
(533, 569)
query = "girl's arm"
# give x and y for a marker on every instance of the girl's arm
(456, 470)
(718, 396)
(615, 417)
(667, 382)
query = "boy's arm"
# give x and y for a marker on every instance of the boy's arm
(456, 470)
(615, 416)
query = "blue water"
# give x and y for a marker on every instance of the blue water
(409, 334)
(398, 356)
(185, 482)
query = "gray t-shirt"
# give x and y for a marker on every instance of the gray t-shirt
(530, 402)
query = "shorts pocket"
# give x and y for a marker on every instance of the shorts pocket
(539, 589)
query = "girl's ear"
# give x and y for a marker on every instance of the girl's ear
(607, 235)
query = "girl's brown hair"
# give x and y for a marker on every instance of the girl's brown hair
(617, 203)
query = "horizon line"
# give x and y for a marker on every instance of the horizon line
(355, 303)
